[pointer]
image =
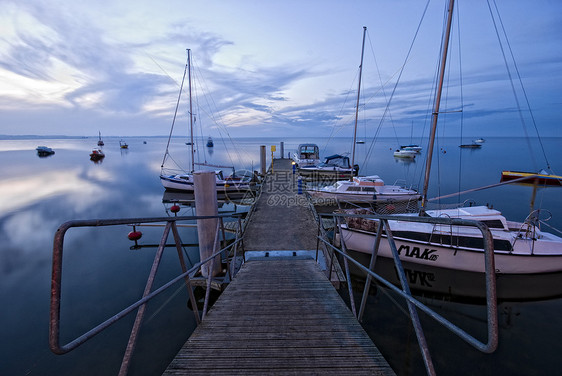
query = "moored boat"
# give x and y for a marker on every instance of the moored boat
(334, 167)
(519, 248)
(97, 154)
(541, 178)
(44, 151)
(184, 181)
(402, 153)
(365, 189)
(307, 155)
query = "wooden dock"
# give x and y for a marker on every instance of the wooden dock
(280, 315)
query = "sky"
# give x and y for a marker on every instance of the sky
(278, 68)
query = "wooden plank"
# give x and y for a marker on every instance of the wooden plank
(279, 317)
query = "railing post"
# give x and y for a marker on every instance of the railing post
(347, 274)
(371, 268)
(411, 307)
(140, 313)
(177, 240)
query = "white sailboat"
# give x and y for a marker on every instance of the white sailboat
(184, 181)
(519, 248)
(364, 189)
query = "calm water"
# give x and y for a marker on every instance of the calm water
(102, 275)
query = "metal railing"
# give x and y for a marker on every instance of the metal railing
(383, 220)
(148, 294)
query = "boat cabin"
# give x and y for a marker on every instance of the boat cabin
(308, 151)
(490, 217)
(337, 161)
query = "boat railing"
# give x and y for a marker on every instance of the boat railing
(414, 304)
(222, 247)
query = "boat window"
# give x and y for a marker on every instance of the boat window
(495, 223)
(368, 189)
(353, 189)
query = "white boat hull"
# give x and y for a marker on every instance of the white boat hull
(176, 182)
(363, 198)
(444, 256)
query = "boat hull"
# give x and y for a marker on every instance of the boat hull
(364, 198)
(444, 256)
(532, 178)
(174, 182)
(326, 173)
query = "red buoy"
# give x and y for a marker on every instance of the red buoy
(134, 235)
(175, 208)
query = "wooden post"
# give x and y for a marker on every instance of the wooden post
(206, 204)
(262, 160)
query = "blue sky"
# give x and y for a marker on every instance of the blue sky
(274, 68)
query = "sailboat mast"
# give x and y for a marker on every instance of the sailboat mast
(190, 110)
(437, 104)
(357, 103)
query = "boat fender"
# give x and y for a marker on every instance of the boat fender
(175, 208)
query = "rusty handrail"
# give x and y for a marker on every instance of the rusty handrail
(56, 280)
(491, 302)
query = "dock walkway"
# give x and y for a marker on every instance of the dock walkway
(279, 317)
(282, 218)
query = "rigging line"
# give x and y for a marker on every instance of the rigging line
(484, 187)
(218, 118)
(521, 83)
(401, 71)
(337, 124)
(512, 85)
(461, 92)
(174, 119)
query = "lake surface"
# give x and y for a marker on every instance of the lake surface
(102, 275)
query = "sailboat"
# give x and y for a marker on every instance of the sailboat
(364, 189)
(184, 181)
(519, 248)
(100, 141)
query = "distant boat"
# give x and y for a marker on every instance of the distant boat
(123, 144)
(359, 142)
(96, 154)
(470, 146)
(411, 147)
(100, 141)
(44, 151)
(402, 153)
(479, 140)
(210, 142)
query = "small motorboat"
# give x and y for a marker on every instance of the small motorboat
(479, 140)
(210, 143)
(471, 146)
(411, 147)
(97, 154)
(307, 155)
(123, 144)
(402, 153)
(44, 151)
